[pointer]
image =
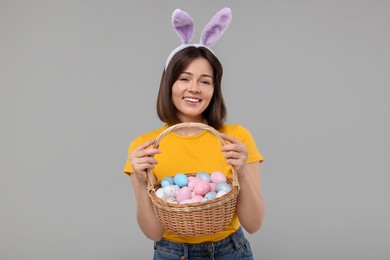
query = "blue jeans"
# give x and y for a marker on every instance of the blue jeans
(235, 246)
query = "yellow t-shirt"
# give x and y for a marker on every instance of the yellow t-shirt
(191, 154)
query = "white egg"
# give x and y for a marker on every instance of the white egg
(169, 199)
(221, 193)
(159, 193)
(171, 190)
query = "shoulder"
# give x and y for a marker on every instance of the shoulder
(147, 136)
(154, 133)
(234, 130)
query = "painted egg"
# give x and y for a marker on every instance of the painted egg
(166, 181)
(213, 186)
(221, 193)
(210, 195)
(217, 177)
(197, 198)
(223, 186)
(204, 176)
(183, 194)
(171, 190)
(193, 181)
(160, 193)
(202, 188)
(169, 199)
(190, 180)
(180, 179)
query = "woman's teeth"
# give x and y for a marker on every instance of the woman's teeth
(192, 100)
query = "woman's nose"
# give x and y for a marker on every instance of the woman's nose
(194, 87)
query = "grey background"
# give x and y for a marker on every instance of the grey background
(79, 81)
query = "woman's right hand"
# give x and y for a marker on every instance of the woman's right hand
(142, 159)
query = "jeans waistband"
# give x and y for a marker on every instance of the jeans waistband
(237, 239)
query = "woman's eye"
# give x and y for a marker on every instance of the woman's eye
(183, 79)
(206, 82)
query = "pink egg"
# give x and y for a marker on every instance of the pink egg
(217, 177)
(197, 198)
(202, 188)
(193, 181)
(213, 186)
(183, 194)
(190, 178)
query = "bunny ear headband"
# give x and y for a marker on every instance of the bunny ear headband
(184, 27)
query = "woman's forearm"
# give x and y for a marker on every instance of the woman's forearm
(250, 205)
(146, 217)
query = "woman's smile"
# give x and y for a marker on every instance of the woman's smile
(192, 100)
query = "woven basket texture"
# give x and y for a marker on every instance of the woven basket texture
(194, 219)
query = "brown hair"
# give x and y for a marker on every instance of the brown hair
(215, 113)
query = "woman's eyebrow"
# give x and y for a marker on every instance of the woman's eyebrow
(202, 75)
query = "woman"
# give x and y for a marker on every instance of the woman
(190, 91)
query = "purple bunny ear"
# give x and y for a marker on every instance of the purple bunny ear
(216, 27)
(183, 25)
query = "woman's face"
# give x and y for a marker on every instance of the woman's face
(193, 90)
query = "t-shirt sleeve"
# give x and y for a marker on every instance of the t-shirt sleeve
(246, 137)
(128, 169)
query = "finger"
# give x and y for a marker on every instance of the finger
(230, 147)
(230, 154)
(147, 152)
(238, 147)
(143, 167)
(229, 138)
(235, 161)
(233, 143)
(145, 145)
(146, 159)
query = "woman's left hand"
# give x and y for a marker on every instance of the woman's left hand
(236, 153)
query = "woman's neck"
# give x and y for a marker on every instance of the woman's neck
(190, 131)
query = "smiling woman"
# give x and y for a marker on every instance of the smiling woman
(195, 73)
(190, 92)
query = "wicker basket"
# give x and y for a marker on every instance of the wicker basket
(200, 218)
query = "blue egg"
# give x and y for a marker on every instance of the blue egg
(204, 176)
(180, 180)
(223, 186)
(166, 181)
(210, 195)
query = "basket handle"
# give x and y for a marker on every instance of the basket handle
(187, 125)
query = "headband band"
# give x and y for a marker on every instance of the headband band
(184, 27)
